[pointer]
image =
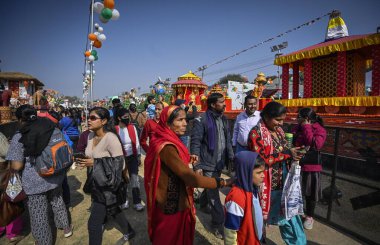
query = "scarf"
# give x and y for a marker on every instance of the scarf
(211, 129)
(36, 136)
(152, 166)
(268, 148)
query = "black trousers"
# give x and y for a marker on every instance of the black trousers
(97, 219)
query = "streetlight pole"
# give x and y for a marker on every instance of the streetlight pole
(278, 48)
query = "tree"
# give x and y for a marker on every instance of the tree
(232, 77)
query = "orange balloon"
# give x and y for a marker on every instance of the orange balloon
(92, 36)
(97, 44)
(109, 4)
(87, 53)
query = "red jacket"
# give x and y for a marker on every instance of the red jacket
(148, 131)
(246, 233)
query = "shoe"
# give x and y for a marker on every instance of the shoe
(125, 205)
(68, 232)
(139, 207)
(131, 234)
(16, 239)
(308, 223)
(218, 234)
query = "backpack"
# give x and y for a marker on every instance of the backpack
(56, 157)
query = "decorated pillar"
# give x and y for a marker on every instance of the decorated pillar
(308, 79)
(341, 81)
(376, 70)
(285, 81)
(296, 78)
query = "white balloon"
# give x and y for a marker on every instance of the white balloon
(93, 72)
(100, 29)
(96, 25)
(91, 58)
(96, 33)
(115, 14)
(102, 19)
(98, 7)
(88, 72)
(102, 37)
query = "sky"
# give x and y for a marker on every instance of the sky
(162, 38)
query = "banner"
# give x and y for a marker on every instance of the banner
(237, 92)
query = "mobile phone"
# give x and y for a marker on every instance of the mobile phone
(79, 155)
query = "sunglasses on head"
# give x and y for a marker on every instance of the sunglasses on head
(94, 118)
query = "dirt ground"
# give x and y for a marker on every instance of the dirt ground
(80, 214)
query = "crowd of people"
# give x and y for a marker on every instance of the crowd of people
(183, 151)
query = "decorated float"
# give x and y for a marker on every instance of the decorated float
(334, 79)
(16, 89)
(190, 88)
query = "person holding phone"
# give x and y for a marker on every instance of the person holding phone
(310, 132)
(268, 139)
(103, 147)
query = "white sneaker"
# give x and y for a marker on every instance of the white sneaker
(308, 223)
(139, 207)
(125, 205)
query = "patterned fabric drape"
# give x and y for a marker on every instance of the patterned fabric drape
(308, 79)
(341, 74)
(285, 81)
(296, 77)
(376, 70)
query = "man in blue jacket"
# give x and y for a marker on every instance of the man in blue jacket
(211, 149)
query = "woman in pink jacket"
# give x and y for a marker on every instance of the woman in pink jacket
(310, 133)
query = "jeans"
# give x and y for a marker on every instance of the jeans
(211, 197)
(133, 171)
(97, 220)
(240, 148)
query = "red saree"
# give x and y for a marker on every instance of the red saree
(176, 228)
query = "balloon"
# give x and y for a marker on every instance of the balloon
(93, 71)
(96, 25)
(94, 53)
(115, 14)
(106, 13)
(92, 36)
(102, 37)
(101, 18)
(91, 58)
(109, 4)
(97, 44)
(88, 71)
(96, 33)
(100, 29)
(87, 53)
(98, 7)
(96, 57)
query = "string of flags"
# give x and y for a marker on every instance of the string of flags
(265, 41)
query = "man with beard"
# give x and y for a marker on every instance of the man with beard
(211, 149)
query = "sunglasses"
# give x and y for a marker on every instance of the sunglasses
(94, 118)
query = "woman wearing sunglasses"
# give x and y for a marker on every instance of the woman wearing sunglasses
(104, 152)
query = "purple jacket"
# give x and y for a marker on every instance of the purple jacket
(313, 135)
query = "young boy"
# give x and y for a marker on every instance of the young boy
(244, 218)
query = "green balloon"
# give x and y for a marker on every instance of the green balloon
(94, 53)
(107, 13)
(96, 57)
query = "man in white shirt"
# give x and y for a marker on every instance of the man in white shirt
(245, 121)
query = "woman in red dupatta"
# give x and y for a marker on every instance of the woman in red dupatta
(169, 182)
